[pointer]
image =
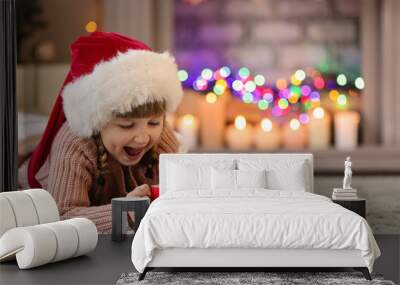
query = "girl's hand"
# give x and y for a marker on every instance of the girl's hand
(140, 191)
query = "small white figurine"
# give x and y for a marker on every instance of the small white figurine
(347, 174)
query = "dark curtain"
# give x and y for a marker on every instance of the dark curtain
(8, 113)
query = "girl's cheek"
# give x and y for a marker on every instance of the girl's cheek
(119, 140)
(156, 135)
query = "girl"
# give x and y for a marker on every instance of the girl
(107, 127)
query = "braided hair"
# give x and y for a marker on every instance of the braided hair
(101, 160)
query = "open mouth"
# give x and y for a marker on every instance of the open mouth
(132, 152)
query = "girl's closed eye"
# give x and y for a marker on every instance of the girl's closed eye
(126, 126)
(155, 123)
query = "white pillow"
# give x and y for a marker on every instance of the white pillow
(251, 178)
(282, 174)
(223, 179)
(235, 179)
(188, 174)
(182, 177)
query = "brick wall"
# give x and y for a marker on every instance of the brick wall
(271, 37)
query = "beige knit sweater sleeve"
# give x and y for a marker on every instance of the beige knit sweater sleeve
(70, 177)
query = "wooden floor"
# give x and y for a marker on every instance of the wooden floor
(110, 260)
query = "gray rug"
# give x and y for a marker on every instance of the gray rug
(229, 278)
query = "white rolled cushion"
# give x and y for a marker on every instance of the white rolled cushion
(26, 208)
(33, 246)
(87, 235)
(7, 218)
(251, 178)
(23, 208)
(282, 174)
(46, 207)
(223, 179)
(40, 244)
(67, 240)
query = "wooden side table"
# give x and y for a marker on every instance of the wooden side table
(120, 207)
(358, 206)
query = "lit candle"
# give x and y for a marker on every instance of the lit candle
(212, 121)
(267, 135)
(346, 129)
(188, 127)
(319, 129)
(239, 135)
(294, 135)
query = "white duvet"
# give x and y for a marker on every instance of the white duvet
(251, 218)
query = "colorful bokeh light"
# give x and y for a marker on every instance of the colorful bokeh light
(182, 75)
(300, 75)
(305, 90)
(333, 95)
(342, 100)
(295, 81)
(281, 84)
(250, 86)
(247, 97)
(293, 98)
(304, 118)
(259, 80)
(219, 89)
(225, 71)
(359, 83)
(269, 97)
(244, 72)
(200, 84)
(302, 96)
(315, 96)
(207, 74)
(283, 103)
(319, 82)
(91, 27)
(263, 104)
(341, 80)
(211, 98)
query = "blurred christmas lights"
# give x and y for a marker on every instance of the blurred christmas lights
(301, 94)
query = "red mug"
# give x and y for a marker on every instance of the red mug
(155, 192)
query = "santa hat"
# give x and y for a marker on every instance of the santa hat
(109, 73)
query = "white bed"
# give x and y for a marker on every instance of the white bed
(282, 224)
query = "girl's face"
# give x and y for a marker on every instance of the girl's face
(128, 139)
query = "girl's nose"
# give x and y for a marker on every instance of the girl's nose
(141, 139)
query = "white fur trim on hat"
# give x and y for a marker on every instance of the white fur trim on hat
(126, 81)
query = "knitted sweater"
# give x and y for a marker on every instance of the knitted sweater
(70, 174)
